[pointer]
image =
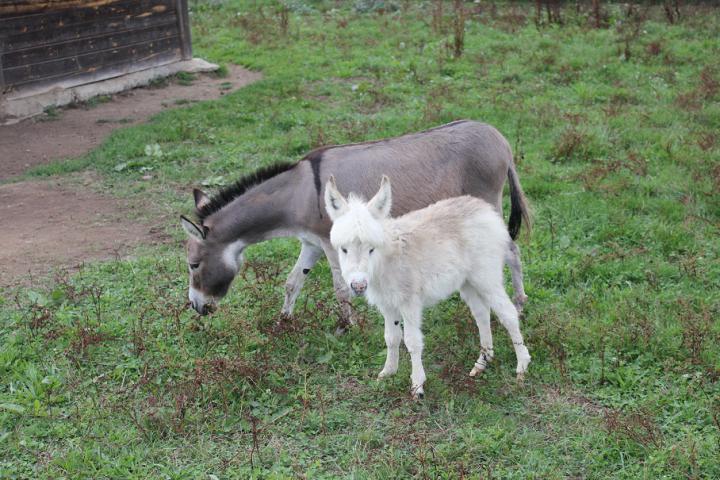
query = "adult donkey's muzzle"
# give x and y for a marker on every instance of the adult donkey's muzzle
(200, 303)
(202, 309)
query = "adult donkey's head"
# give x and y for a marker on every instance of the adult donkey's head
(212, 262)
(251, 210)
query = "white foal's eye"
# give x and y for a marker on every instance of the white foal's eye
(344, 250)
(372, 250)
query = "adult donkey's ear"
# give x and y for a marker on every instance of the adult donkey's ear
(382, 201)
(192, 229)
(201, 198)
(335, 203)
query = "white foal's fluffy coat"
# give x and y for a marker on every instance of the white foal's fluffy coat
(405, 264)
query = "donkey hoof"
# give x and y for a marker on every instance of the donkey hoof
(475, 371)
(417, 392)
(520, 377)
(385, 373)
(519, 302)
(485, 357)
(344, 325)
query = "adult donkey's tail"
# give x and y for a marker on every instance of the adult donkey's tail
(518, 204)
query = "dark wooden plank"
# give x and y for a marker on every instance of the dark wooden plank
(84, 77)
(184, 28)
(74, 16)
(86, 45)
(26, 73)
(42, 9)
(23, 7)
(91, 62)
(91, 29)
(2, 75)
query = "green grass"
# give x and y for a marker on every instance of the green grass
(105, 374)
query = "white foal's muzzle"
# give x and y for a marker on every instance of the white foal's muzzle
(358, 284)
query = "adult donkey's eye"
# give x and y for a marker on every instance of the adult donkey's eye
(193, 266)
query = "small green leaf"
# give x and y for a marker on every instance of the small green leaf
(280, 414)
(214, 181)
(11, 407)
(37, 298)
(57, 296)
(325, 358)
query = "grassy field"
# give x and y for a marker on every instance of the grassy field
(105, 374)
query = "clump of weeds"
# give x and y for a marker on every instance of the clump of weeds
(697, 328)
(573, 144)
(638, 427)
(629, 29)
(706, 91)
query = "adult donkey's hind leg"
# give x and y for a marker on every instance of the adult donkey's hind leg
(512, 260)
(309, 255)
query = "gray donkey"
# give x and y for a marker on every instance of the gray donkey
(461, 158)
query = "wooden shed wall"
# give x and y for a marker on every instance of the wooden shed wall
(43, 42)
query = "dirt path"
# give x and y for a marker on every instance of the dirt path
(71, 132)
(62, 222)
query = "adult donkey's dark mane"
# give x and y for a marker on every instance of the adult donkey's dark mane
(231, 192)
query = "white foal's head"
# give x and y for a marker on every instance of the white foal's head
(357, 231)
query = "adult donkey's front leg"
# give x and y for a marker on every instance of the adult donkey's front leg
(342, 292)
(309, 255)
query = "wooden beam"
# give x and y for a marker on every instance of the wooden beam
(91, 62)
(35, 6)
(82, 46)
(184, 28)
(30, 22)
(2, 76)
(50, 37)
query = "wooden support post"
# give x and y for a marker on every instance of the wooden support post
(2, 76)
(184, 28)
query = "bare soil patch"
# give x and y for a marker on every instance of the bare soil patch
(59, 224)
(62, 223)
(70, 132)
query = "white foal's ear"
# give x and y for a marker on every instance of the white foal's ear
(382, 201)
(201, 198)
(192, 229)
(335, 203)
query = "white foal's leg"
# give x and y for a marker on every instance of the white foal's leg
(412, 321)
(393, 337)
(309, 255)
(481, 313)
(500, 303)
(342, 292)
(512, 259)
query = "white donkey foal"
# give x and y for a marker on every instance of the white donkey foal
(407, 263)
